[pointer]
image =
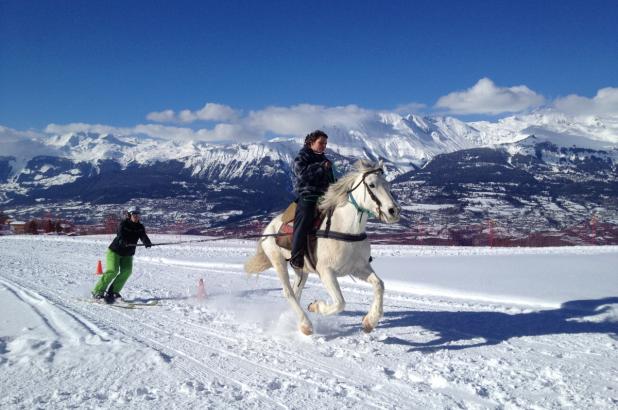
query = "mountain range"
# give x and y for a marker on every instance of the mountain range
(542, 171)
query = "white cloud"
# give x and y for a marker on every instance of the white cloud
(10, 134)
(209, 112)
(221, 132)
(186, 116)
(216, 112)
(296, 121)
(410, 108)
(486, 98)
(22, 144)
(84, 127)
(300, 119)
(162, 116)
(603, 104)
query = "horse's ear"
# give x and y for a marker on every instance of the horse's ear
(380, 164)
(361, 164)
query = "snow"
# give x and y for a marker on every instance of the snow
(463, 328)
(60, 179)
(427, 207)
(557, 127)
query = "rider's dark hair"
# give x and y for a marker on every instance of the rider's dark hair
(313, 137)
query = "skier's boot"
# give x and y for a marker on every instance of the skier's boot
(97, 296)
(111, 297)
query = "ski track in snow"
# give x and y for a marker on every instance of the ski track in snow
(240, 348)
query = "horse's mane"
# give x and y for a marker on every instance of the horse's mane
(337, 193)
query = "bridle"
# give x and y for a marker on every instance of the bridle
(346, 237)
(372, 195)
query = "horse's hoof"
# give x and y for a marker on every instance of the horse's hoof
(367, 327)
(306, 329)
(313, 307)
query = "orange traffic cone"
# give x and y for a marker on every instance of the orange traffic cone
(201, 292)
(99, 268)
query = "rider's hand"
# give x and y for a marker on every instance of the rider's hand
(327, 164)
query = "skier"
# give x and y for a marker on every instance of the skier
(313, 173)
(119, 261)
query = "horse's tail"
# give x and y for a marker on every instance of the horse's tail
(258, 262)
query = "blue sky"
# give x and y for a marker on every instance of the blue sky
(124, 63)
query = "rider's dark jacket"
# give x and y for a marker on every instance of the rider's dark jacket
(128, 234)
(311, 177)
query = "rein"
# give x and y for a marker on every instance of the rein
(345, 237)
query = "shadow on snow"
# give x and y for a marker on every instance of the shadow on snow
(460, 330)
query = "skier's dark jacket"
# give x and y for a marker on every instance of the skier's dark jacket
(311, 176)
(128, 234)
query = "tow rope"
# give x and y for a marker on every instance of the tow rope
(211, 239)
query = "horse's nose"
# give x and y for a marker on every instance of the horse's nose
(394, 211)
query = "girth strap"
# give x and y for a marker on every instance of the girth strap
(339, 236)
(345, 237)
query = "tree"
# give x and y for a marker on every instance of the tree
(48, 226)
(32, 227)
(111, 223)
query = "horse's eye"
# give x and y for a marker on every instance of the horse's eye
(372, 185)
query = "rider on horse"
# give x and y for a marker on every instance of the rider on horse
(313, 173)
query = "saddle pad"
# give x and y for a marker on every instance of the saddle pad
(288, 214)
(285, 239)
(287, 229)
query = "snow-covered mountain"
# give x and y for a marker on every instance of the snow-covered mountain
(206, 180)
(584, 131)
(406, 142)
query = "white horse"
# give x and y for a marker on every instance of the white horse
(359, 194)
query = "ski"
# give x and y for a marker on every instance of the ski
(124, 304)
(141, 302)
(119, 304)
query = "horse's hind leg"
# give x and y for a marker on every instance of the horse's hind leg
(370, 321)
(280, 266)
(329, 278)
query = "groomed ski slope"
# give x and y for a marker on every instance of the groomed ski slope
(470, 328)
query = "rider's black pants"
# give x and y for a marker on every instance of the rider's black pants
(303, 221)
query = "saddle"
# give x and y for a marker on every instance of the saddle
(284, 239)
(284, 236)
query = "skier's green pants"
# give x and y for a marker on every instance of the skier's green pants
(117, 271)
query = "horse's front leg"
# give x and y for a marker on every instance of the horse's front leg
(370, 321)
(299, 284)
(329, 279)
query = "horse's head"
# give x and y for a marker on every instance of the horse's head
(372, 191)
